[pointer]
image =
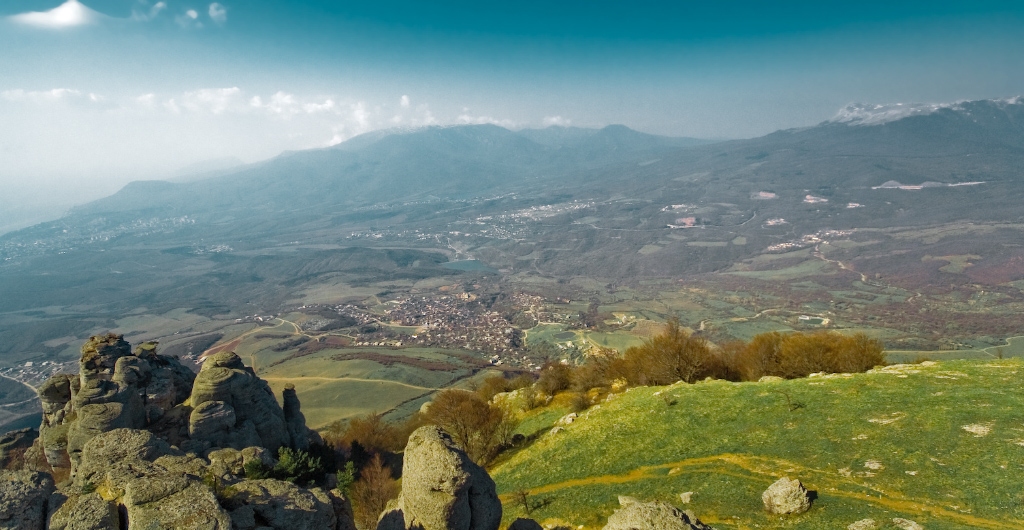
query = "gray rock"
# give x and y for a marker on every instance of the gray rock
(786, 496)
(84, 512)
(342, 510)
(161, 502)
(906, 524)
(283, 505)
(863, 524)
(442, 489)
(294, 418)
(258, 419)
(114, 389)
(525, 524)
(24, 496)
(231, 462)
(393, 516)
(656, 515)
(15, 442)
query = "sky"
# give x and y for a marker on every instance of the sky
(96, 93)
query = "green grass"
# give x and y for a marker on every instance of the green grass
(886, 444)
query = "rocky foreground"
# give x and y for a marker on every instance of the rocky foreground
(135, 440)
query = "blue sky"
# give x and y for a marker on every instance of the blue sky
(100, 92)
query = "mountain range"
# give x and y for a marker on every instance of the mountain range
(902, 193)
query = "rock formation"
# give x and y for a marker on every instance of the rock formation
(24, 499)
(657, 515)
(525, 524)
(15, 442)
(786, 496)
(146, 443)
(442, 489)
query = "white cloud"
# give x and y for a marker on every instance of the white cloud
(480, 120)
(319, 108)
(67, 15)
(218, 13)
(41, 96)
(404, 102)
(189, 19)
(146, 99)
(214, 100)
(141, 14)
(557, 120)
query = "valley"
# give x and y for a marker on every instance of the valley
(481, 249)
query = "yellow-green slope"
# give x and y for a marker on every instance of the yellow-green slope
(941, 444)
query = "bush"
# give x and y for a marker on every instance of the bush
(801, 354)
(371, 493)
(554, 378)
(478, 427)
(676, 355)
(295, 466)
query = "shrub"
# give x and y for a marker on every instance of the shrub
(478, 427)
(298, 467)
(255, 470)
(554, 378)
(371, 493)
(579, 402)
(675, 355)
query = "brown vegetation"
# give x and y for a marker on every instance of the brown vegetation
(477, 426)
(676, 355)
(371, 493)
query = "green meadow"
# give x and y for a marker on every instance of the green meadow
(937, 443)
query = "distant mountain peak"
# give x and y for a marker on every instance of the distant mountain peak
(878, 114)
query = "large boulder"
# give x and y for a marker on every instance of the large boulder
(85, 512)
(232, 407)
(280, 505)
(163, 501)
(656, 515)
(113, 389)
(786, 496)
(24, 498)
(153, 482)
(442, 489)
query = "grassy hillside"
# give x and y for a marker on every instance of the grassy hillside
(939, 443)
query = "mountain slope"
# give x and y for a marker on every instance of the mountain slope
(934, 443)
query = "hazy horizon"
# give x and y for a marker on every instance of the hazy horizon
(101, 92)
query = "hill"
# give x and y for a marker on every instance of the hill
(937, 443)
(520, 246)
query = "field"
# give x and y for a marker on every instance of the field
(339, 384)
(938, 443)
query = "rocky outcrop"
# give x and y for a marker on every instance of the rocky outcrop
(294, 418)
(84, 512)
(113, 389)
(906, 524)
(24, 499)
(131, 469)
(279, 504)
(657, 515)
(15, 442)
(863, 524)
(225, 406)
(232, 407)
(149, 444)
(442, 489)
(786, 496)
(525, 524)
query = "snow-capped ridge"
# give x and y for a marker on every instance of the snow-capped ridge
(878, 114)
